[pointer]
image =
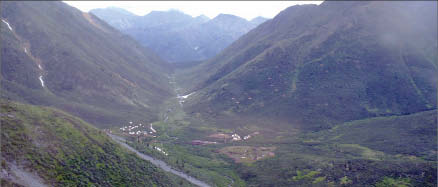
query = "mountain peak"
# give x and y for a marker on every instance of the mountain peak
(227, 16)
(113, 10)
(170, 12)
(227, 19)
(202, 18)
(259, 19)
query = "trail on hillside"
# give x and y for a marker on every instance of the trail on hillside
(158, 163)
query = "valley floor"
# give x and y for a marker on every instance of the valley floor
(349, 154)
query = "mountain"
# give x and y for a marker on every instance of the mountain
(345, 92)
(165, 20)
(117, 17)
(312, 67)
(258, 20)
(178, 37)
(42, 146)
(56, 55)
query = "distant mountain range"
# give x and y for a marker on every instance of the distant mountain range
(178, 37)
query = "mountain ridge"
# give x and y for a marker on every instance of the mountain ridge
(178, 37)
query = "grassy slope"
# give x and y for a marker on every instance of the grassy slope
(407, 135)
(364, 151)
(66, 151)
(312, 67)
(90, 69)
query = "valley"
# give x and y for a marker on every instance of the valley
(249, 155)
(334, 94)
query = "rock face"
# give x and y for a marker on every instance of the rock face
(178, 37)
(57, 55)
(314, 66)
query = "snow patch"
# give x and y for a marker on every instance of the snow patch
(196, 48)
(152, 129)
(185, 96)
(39, 66)
(161, 150)
(25, 50)
(236, 137)
(41, 80)
(10, 28)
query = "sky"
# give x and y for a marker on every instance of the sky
(244, 9)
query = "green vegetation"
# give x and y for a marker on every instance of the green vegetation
(329, 98)
(340, 156)
(296, 74)
(409, 135)
(65, 151)
(308, 176)
(345, 181)
(332, 93)
(351, 154)
(390, 182)
(89, 69)
(174, 137)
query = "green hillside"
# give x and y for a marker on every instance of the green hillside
(88, 68)
(312, 67)
(366, 152)
(62, 150)
(413, 134)
(338, 94)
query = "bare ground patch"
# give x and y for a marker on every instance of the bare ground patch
(248, 153)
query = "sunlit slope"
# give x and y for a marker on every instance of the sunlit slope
(56, 55)
(43, 145)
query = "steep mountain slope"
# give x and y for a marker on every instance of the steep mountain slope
(178, 37)
(43, 146)
(315, 66)
(54, 54)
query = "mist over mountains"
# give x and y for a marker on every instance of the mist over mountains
(178, 37)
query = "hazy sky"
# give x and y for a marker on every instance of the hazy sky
(245, 9)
